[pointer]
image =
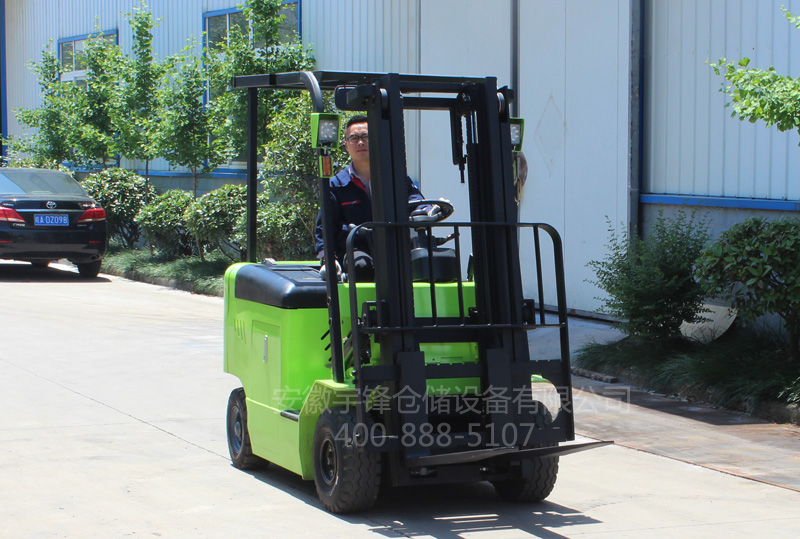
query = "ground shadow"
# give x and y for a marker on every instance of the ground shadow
(23, 272)
(441, 511)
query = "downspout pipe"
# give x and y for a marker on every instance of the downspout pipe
(515, 56)
(636, 115)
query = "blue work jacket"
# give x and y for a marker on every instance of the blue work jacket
(351, 204)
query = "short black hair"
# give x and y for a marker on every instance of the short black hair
(357, 119)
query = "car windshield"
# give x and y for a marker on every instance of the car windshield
(38, 182)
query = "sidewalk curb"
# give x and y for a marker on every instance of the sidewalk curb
(134, 275)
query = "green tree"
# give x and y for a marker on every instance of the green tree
(94, 130)
(288, 203)
(762, 94)
(135, 109)
(54, 120)
(183, 134)
(249, 53)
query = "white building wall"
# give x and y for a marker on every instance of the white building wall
(693, 146)
(574, 95)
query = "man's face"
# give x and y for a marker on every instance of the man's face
(357, 142)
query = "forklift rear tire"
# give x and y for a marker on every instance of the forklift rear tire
(347, 477)
(238, 436)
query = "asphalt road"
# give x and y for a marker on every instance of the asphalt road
(112, 407)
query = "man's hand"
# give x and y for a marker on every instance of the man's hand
(427, 214)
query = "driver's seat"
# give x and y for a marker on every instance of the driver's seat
(444, 264)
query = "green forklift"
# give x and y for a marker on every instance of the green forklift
(425, 375)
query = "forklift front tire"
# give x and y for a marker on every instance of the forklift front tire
(535, 478)
(535, 482)
(238, 436)
(347, 477)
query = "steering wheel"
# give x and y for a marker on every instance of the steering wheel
(445, 205)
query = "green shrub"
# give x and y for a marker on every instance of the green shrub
(791, 394)
(285, 229)
(212, 218)
(744, 367)
(650, 282)
(163, 225)
(122, 193)
(756, 264)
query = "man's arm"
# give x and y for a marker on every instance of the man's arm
(319, 246)
(413, 191)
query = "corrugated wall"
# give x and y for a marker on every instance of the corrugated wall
(363, 35)
(692, 145)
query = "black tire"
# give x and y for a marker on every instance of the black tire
(238, 436)
(535, 478)
(89, 270)
(347, 477)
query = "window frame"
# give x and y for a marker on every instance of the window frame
(233, 10)
(236, 164)
(76, 75)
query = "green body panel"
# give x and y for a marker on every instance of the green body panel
(280, 356)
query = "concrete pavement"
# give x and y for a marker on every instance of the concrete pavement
(112, 404)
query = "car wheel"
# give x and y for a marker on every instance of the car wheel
(347, 477)
(238, 436)
(89, 270)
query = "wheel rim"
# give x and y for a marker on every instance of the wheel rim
(327, 461)
(236, 430)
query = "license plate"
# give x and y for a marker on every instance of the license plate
(51, 219)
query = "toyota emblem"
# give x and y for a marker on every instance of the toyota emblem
(50, 205)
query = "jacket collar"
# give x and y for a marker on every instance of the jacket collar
(344, 176)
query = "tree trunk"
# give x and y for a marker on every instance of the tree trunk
(199, 249)
(194, 180)
(147, 174)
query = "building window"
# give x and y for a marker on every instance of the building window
(72, 54)
(219, 24)
(290, 27)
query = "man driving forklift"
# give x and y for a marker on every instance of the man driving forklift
(351, 191)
